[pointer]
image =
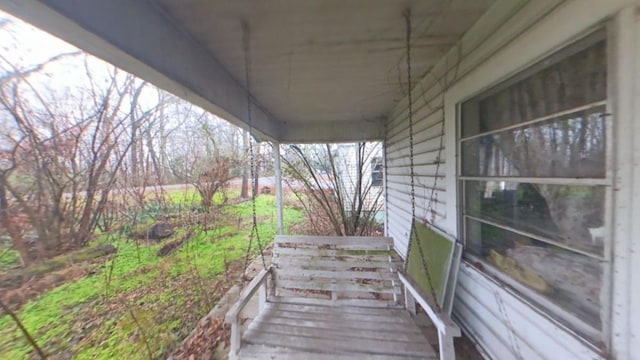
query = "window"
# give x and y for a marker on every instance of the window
(534, 183)
(376, 171)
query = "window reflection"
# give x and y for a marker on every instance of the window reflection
(570, 146)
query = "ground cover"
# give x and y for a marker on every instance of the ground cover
(135, 304)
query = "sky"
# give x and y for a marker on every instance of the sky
(35, 44)
(26, 46)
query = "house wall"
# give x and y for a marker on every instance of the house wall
(511, 36)
(347, 167)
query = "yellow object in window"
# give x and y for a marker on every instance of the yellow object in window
(524, 276)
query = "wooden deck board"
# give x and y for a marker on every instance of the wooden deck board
(303, 274)
(335, 298)
(379, 304)
(353, 309)
(356, 332)
(261, 352)
(339, 313)
(359, 241)
(347, 286)
(336, 265)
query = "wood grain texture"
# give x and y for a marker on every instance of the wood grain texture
(344, 331)
(335, 298)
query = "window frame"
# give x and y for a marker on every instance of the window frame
(571, 322)
(377, 174)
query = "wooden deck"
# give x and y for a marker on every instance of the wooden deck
(329, 332)
(330, 298)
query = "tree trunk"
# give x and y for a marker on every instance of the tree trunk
(5, 221)
(256, 179)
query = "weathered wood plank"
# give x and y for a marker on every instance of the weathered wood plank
(340, 317)
(301, 274)
(334, 333)
(333, 240)
(341, 255)
(338, 287)
(328, 264)
(361, 314)
(344, 346)
(363, 303)
(345, 247)
(324, 309)
(261, 352)
(327, 324)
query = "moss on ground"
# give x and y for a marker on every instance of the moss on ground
(137, 305)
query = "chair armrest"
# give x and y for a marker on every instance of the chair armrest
(441, 320)
(247, 293)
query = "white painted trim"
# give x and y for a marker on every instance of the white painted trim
(232, 316)
(385, 183)
(626, 203)
(278, 185)
(634, 248)
(541, 180)
(543, 38)
(441, 321)
(559, 114)
(536, 237)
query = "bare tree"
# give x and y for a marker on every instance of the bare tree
(335, 185)
(60, 164)
(244, 187)
(201, 159)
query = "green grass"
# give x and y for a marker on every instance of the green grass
(91, 318)
(191, 197)
(9, 259)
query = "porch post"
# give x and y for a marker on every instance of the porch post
(278, 186)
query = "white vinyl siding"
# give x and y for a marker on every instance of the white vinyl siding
(501, 44)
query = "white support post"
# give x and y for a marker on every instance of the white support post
(235, 339)
(262, 297)
(447, 351)
(278, 186)
(409, 301)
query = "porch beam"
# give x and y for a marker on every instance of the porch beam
(140, 38)
(333, 131)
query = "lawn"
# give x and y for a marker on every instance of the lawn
(135, 304)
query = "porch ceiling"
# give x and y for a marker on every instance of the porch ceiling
(321, 71)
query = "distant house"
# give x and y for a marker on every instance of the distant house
(360, 168)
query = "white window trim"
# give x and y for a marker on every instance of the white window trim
(537, 120)
(550, 33)
(531, 47)
(546, 306)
